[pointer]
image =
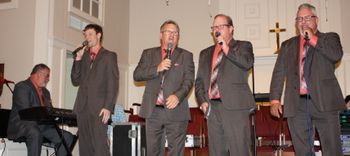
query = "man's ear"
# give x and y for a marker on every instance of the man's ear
(99, 36)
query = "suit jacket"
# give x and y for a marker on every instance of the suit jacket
(232, 76)
(24, 96)
(98, 82)
(319, 71)
(178, 80)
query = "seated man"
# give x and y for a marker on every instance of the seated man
(33, 93)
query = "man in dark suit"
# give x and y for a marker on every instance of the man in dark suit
(169, 73)
(222, 90)
(95, 71)
(33, 93)
(313, 98)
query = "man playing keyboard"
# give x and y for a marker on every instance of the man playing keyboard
(32, 92)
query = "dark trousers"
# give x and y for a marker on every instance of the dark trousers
(302, 127)
(228, 131)
(35, 136)
(157, 126)
(92, 135)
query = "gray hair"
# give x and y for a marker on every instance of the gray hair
(307, 6)
(170, 22)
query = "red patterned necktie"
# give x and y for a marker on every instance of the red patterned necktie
(214, 89)
(92, 57)
(160, 98)
(303, 85)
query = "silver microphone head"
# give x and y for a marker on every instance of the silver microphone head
(306, 36)
(170, 45)
(168, 50)
(85, 43)
(217, 34)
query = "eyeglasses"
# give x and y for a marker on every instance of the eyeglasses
(168, 32)
(305, 18)
(219, 26)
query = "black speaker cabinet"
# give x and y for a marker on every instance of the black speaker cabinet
(129, 139)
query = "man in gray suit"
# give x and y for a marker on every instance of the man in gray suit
(313, 98)
(32, 92)
(169, 74)
(95, 71)
(222, 90)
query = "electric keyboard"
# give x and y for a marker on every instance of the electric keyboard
(49, 115)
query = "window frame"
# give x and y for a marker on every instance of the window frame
(88, 16)
(12, 4)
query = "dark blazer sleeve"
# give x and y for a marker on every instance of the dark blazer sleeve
(241, 54)
(76, 72)
(200, 90)
(278, 74)
(145, 70)
(188, 77)
(112, 81)
(329, 46)
(24, 96)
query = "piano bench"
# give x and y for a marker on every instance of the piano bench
(45, 143)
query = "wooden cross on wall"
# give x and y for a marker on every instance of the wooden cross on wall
(277, 30)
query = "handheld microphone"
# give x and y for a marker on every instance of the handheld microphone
(168, 50)
(85, 43)
(306, 36)
(217, 34)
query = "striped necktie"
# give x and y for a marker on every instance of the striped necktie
(303, 85)
(214, 89)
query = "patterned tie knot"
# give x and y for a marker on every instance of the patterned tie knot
(92, 56)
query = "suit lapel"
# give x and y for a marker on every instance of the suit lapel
(295, 53)
(36, 100)
(210, 58)
(174, 57)
(98, 57)
(311, 53)
(158, 58)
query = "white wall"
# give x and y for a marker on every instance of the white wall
(17, 44)
(37, 31)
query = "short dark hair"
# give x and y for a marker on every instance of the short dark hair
(347, 99)
(97, 28)
(228, 18)
(38, 67)
(169, 22)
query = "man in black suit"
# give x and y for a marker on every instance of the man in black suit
(169, 73)
(222, 90)
(313, 98)
(33, 93)
(95, 71)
